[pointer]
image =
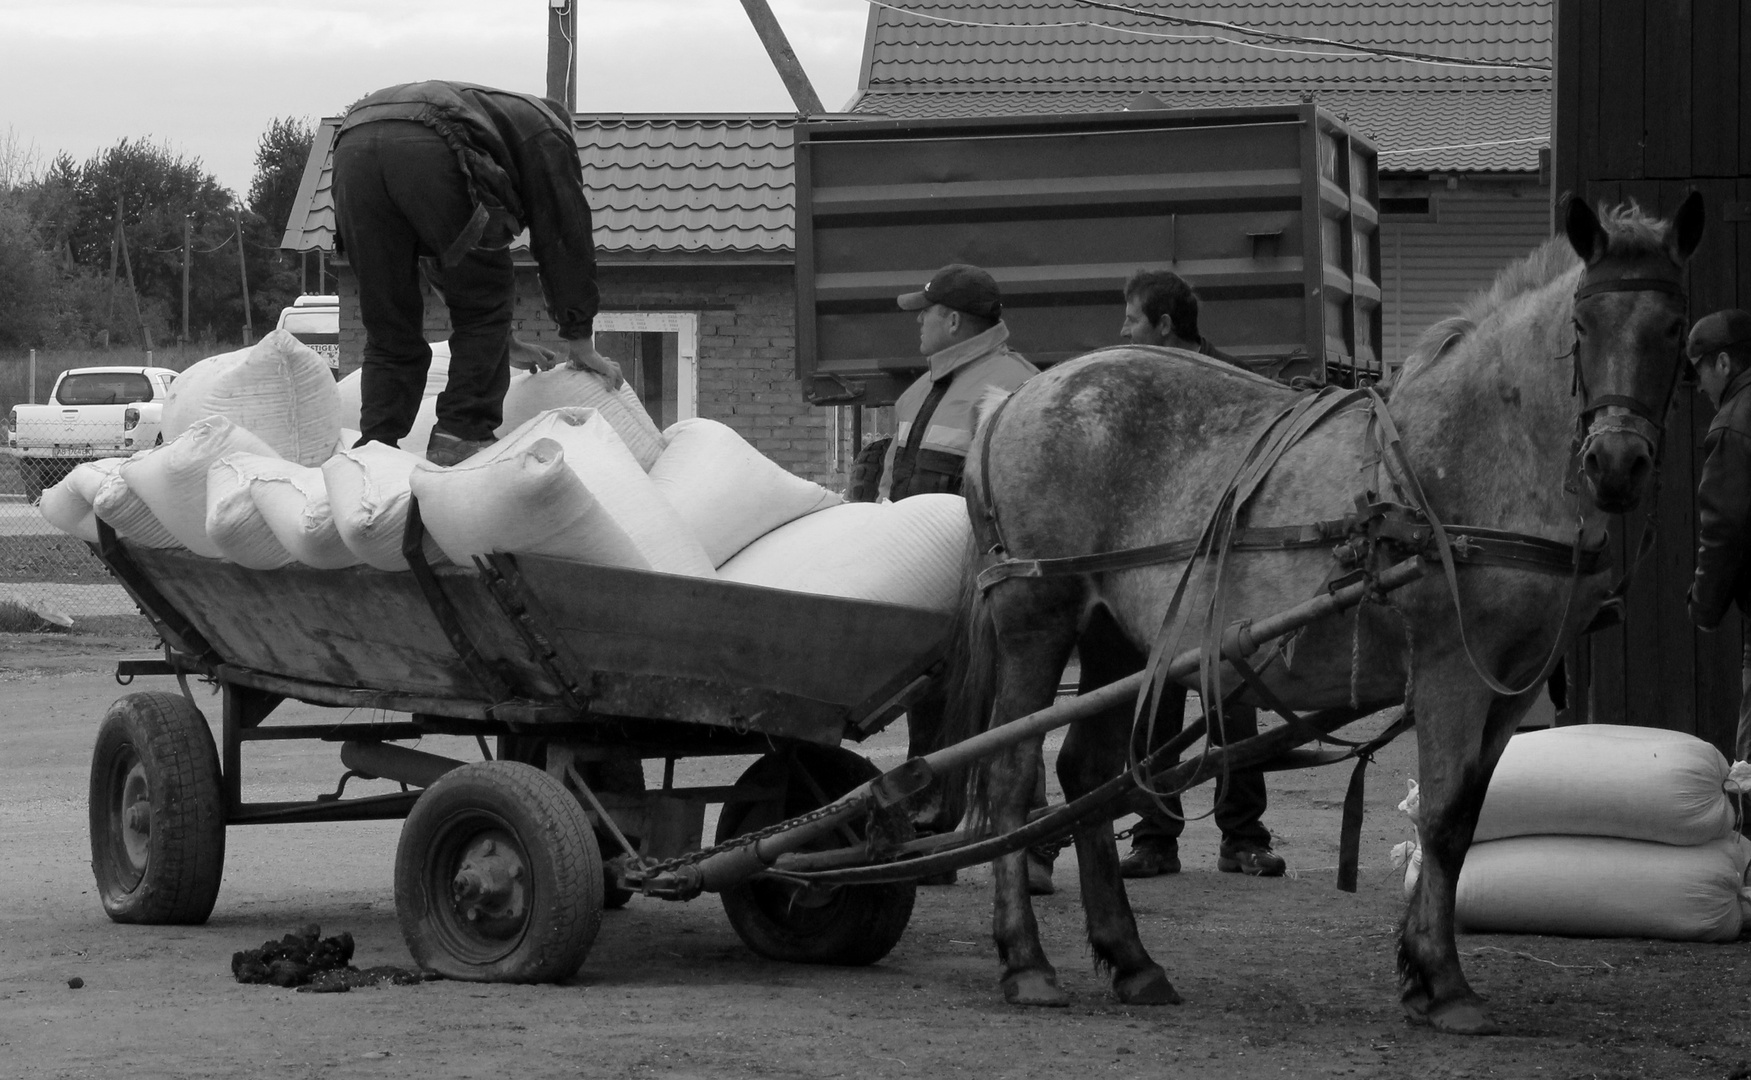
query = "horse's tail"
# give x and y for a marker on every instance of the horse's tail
(970, 679)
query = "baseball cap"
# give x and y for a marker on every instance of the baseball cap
(1720, 331)
(959, 286)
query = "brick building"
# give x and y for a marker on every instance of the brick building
(694, 223)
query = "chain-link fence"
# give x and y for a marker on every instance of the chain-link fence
(40, 566)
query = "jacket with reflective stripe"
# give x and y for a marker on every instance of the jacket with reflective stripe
(973, 366)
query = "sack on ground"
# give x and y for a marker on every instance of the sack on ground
(172, 479)
(608, 511)
(728, 493)
(234, 524)
(296, 509)
(1635, 783)
(908, 552)
(68, 505)
(1595, 886)
(125, 512)
(565, 386)
(278, 389)
(367, 494)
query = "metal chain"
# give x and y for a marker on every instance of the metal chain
(743, 840)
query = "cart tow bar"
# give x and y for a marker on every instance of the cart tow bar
(735, 861)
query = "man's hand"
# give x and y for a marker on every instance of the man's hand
(528, 355)
(584, 357)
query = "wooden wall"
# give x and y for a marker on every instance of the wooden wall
(1653, 98)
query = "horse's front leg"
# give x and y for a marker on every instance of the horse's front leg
(1093, 753)
(1462, 728)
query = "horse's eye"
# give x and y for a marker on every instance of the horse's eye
(1580, 331)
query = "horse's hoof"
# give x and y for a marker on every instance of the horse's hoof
(1463, 1018)
(1034, 988)
(1146, 987)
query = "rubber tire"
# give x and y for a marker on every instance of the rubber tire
(859, 924)
(162, 741)
(564, 870)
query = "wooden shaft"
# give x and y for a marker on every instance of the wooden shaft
(778, 49)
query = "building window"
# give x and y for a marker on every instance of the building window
(659, 353)
(1397, 208)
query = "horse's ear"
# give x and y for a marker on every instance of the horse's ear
(1585, 233)
(1687, 226)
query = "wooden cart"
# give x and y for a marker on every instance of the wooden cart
(580, 673)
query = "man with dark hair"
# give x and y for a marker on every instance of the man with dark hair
(1720, 353)
(1161, 309)
(453, 172)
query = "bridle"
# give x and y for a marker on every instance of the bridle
(1638, 418)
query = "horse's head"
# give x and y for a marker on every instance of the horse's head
(1629, 325)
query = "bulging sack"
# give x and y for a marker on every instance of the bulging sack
(1636, 783)
(612, 516)
(278, 389)
(908, 553)
(565, 386)
(1596, 886)
(367, 494)
(297, 510)
(172, 479)
(68, 505)
(728, 493)
(125, 512)
(234, 523)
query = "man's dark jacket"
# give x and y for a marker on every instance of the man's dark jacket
(1723, 510)
(521, 161)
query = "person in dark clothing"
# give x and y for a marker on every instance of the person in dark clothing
(1161, 309)
(452, 172)
(1720, 352)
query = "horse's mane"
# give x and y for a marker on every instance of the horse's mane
(1633, 231)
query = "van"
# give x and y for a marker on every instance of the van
(315, 320)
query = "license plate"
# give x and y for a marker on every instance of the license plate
(73, 452)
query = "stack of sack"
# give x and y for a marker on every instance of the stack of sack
(257, 469)
(1603, 830)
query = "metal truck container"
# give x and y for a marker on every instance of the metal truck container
(1270, 212)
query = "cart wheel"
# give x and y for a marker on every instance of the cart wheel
(852, 924)
(497, 876)
(157, 812)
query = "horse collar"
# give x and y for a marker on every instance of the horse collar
(1665, 285)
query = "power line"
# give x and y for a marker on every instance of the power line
(1350, 48)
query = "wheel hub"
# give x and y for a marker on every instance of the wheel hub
(136, 815)
(490, 890)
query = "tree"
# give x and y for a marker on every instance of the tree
(280, 156)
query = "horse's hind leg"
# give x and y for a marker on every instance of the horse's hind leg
(1462, 728)
(1093, 753)
(1035, 624)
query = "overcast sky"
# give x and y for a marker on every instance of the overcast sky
(207, 76)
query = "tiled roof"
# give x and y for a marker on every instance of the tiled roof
(658, 186)
(1042, 56)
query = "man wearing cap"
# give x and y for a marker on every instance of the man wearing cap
(1720, 352)
(961, 330)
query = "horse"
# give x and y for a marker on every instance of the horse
(1535, 411)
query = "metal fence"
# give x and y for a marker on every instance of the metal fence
(42, 567)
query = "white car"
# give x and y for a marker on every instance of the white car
(315, 320)
(92, 413)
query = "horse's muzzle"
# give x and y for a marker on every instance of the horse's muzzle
(1616, 463)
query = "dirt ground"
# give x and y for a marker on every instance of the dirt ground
(1284, 977)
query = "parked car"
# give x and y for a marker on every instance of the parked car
(93, 413)
(315, 320)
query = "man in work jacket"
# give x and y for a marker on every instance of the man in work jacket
(452, 172)
(1162, 309)
(1720, 351)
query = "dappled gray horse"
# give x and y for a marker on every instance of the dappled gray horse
(1535, 413)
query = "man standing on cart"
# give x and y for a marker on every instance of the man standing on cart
(451, 172)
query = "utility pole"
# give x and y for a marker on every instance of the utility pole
(128, 265)
(778, 49)
(243, 276)
(562, 53)
(109, 298)
(185, 259)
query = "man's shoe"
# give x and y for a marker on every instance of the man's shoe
(1256, 861)
(1148, 862)
(446, 449)
(1039, 876)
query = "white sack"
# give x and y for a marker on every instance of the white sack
(728, 493)
(297, 511)
(128, 514)
(278, 389)
(68, 505)
(565, 386)
(615, 517)
(172, 479)
(907, 552)
(414, 442)
(234, 523)
(1636, 783)
(1596, 886)
(367, 494)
